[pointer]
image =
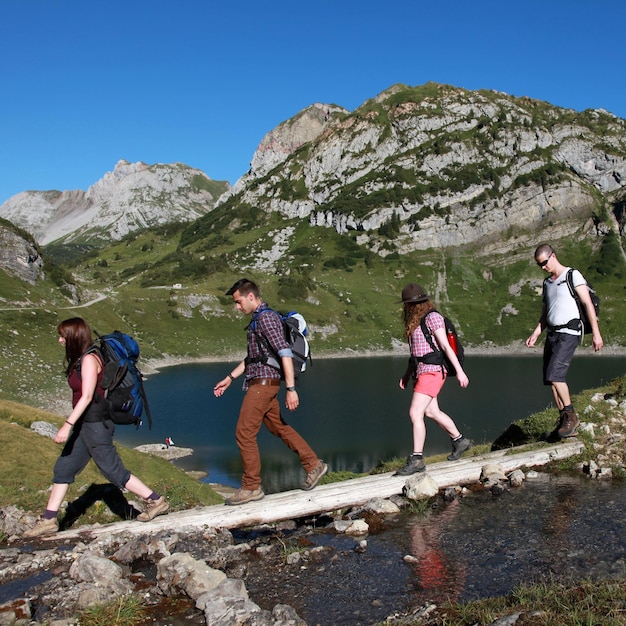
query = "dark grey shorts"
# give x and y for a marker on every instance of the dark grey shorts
(558, 353)
(91, 440)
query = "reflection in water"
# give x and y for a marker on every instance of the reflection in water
(565, 526)
(478, 546)
(440, 575)
(559, 522)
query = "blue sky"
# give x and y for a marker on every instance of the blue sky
(84, 84)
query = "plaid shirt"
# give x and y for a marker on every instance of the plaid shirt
(266, 325)
(420, 346)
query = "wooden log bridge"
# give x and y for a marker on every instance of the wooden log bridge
(331, 497)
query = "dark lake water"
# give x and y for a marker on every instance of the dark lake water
(352, 412)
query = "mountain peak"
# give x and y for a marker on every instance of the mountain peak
(132, 196)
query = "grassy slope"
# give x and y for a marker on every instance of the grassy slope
(27, 461)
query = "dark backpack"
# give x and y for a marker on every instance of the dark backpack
(296, 331)
(122, 382)
(595, 300)
(438, 357)
(582, 319)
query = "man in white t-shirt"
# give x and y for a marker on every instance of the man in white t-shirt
(561, 317)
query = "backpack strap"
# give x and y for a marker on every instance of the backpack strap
(573, 324)
(431, 358)
(99, 392)
(146, 406)
(426, 332)
(266, 356)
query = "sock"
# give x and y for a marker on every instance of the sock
(419, 455)
(458, 438)
(153, 496)
(48, 514)
(569, 407)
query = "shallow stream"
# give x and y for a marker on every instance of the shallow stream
(477, 546)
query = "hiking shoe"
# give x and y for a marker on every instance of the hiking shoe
(569, 424)
(43, 527)
(153, 508)
(241, 496)
(458, 447)
(313, 477)
(413, 464)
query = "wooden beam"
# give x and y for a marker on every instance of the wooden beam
(335, 496)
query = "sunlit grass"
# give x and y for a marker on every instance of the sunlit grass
(28, 458)
(550, 603)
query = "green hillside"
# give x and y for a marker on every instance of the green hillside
(166, 286)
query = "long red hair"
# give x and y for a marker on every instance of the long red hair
(77, 335)
(412, 315)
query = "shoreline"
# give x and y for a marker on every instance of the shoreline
(153, 366)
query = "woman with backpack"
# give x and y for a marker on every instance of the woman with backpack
(430, 373)
(86, 434)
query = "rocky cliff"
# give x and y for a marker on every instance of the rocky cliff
(132, 196)
(19, 255)
(437, 166)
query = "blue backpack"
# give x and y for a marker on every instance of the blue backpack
(122, 382)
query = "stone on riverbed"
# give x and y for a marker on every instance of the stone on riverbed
(420, 487)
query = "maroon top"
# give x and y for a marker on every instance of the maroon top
(76, 384)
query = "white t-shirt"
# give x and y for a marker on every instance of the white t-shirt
(561, 306)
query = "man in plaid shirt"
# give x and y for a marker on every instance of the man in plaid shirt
(268, 354)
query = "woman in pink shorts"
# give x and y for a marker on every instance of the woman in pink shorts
(430, 377)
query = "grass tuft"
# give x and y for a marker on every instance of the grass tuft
(124, 611)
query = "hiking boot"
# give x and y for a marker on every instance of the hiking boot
(413, 464)
(43, 527)
(241, 496)
(153, 508)
(313, 477)
(458, 447)
(569, 424)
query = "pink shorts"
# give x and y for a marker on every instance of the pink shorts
(429, 383)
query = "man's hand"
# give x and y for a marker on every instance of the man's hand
(597, 342)
(221, 387)
(292, 400)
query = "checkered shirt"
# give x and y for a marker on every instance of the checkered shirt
(420, 346)
(266, 323)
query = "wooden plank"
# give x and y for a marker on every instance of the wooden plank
(295, 504)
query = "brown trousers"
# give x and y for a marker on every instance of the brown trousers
(260, 406)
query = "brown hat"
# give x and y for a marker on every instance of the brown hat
(414, 293)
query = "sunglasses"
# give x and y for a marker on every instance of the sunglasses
(544, 263)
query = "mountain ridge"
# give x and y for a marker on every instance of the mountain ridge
(451, 166)
(412, 168)
(131, 196)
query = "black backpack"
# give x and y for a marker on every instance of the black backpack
(296, 332)
(122, 382)
(595, 300)
(582, 319)
(438, 357)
